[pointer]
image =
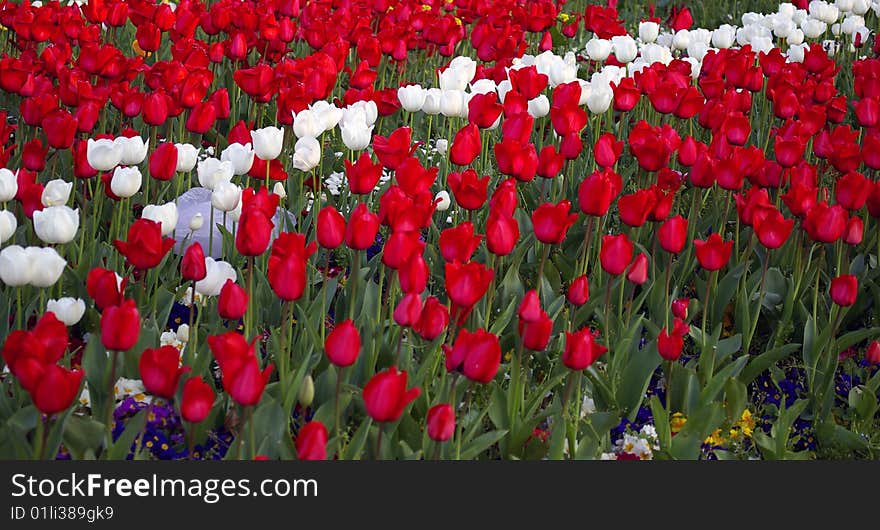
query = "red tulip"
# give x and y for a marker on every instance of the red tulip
(459, 243)
(104, 288)
(550, 162)
(56, 389)
(597, 191)
(145, 247)
(160, 370)
(163, 161)
(578, 291)
(201, 118)
(825, 223)
(413, 274)
(197, 400)
(638, 271)
(616, 253)
(484, 109)
(476, 354)
(670, 345)
(872, 355)
(360, 234)
(469, 189)
(254, 231)
(607, 150)
(552, 221)
(192, 267)
(502, 233)
(844, 289)
(311, 441)
(408, 310)
(27, 353)
(680, 307)
(433, 320)
(60, 129)
(33, 155)
(672, 234)
(363, 175)
(246, 384)
(466, 283)
(713, 253)
(120, 326)
(773, 229)
(466, 145)
(581, 349)
(634, 208)
(441, 422)
(233, 301)
(394, 149)
(852, 190)
(343, 344)
(385, 395)
(854, 231)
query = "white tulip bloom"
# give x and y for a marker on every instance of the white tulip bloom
(56, 225)
(56, 192)
(126, 181)
(165, 214)
(268, 142)
(104, 154)
(68, 310)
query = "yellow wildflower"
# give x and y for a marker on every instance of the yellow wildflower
(677, 422)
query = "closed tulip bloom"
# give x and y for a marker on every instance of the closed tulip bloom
(197, 400)
(616, 253)
(67, 310)
(433, 320)
(103, 154)
(306, 154)
(440, 422)
(145, 247)
(638, 271)
(466, 283)
(408, 310)
(713, 253)
(607, 150)
(581, 349)
(134, 150)
(164, 161)
(459, 243)
(413, 274)
(680, 308)
(475, 354)
(211, 171)
(8, 185)
(597, 192)
(356, 134)
(217, 274)
(8, 225)
(56, 225)
(844, 290)
(105, 287)
(331, 227)
(552, 221)
(854, 231)
(233, 301)
(120, 326)
(825, 223)
(773, 229)
(15, 268)
(311, 441)
(56, 193)
(56, 389)
(47, 266)
(466, 145)
(225, 196)
(535, 334)
(578, 292)
(469, 189)
(126, 181)
(385, 395)
(872, 355)
(160, 370)
(254, 232)
(672, 234)
(502, 233)
(343, 344)
(363, 225)
(245, 384)
(268, 142)
(187, 157)
(411, 97)
(670, 345)
(240, 156)
(192, 267)
(165, 215)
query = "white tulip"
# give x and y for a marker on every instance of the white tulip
(103, 154)
(600, 98)
(539, 107)
(196, 222)
(586, 89)
(134, 150)
(225, 196)
(563, 71)
(654, 53)
(15, 266)
(307, 123)
(813, 28)
(681, 39)
(503, 88)
(861, 7)
(326, 113)
(411, 97)
(598, 49)
(483, 86)
(442, 200)
(724, 36)
(8, 224)
(452, 102)
(267, 142)
(441, 145)
(235, 214)
(432, 101)
(46, 265)
(56, 192)
(356, 135)
(796, 53)
(126, 181)
(182, 333)
(56, 225)
(852, 24)
(68, 310)
(211, 171)
(648, 31)
(8, 184)
(187, 156)
(217, 274)
(625, 49)
(241, 156)
(844, 5)
(278, 189)
(306, 154)
(165, 214)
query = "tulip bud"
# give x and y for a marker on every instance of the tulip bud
(279, 190)
(197, 400)
(343, 344)
(872, 355)
(578, 291)
(306, 393)
(311, 441)
(441, 422)
(196, 222)
(233, 301)
(844, 290)
(120, 326)
(680, 308)
(182, 333)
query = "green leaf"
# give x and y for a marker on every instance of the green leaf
(82, 434)
(359, 440)
(481, 443)
(760, 363)
(133, 428)
(710, 393)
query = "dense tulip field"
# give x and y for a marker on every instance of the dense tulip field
(439, 229)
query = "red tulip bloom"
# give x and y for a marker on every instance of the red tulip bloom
(671, 344)
(433, 320)
(232, 302)
(385, 395)
(413, 274)
(502, 233)
(484, 109)
(120, 326)
(550, 162)
(394, 149)
(331, 227)
(201, 118)
(516, 159)
(650, 146)
(104, 288)
(470, 190)
(197, 400)
(60, 129)
(245, 385)
(597, 191)
(160, 370)
(852, 190)
(27, 353)
(33, 155)
(680, 308)
(607, 150)
(773, 229)
(145, 247)
(441, 422)
(287, 265)
(254, 232)
(192, 267)
(638, 271)
(552, 221)
(825, 223)
(854, 233)
(581, 349)
(713, 253)
(163, 161)
(578, 292)
(408, 310)
(616, 253)
(634, 208)
(466, 283)
(360, 234)
(56, 389)
(844, 290)
(872, 355)
(311, 441)
(672, 234)
(343, 344)
(476, 354)
(459, 243)
(466, 145)
(363, 175)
